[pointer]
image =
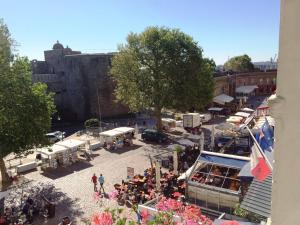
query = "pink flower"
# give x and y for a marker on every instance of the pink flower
(169, 205)
(192, 212)
(191, 222)
(231, 223)
(97, 196)
(113, 195)
(104, 218)
(145, 216)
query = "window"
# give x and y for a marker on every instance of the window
(261, 81)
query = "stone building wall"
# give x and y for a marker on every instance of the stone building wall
(80, 82)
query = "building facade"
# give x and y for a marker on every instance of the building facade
(82, 86)
(83, 89)
(227, 83)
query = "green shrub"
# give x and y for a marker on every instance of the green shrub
(93, 122)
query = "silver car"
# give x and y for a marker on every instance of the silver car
(55, 136)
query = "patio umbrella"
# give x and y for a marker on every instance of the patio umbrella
(186, 142)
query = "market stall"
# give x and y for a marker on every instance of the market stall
(242, 114)
(235, 119)
(223, 99)
(214, 180)
(127, 131)
(168, 123)
(117, 138)
(244, 92)
(72, 144)
(55, 156)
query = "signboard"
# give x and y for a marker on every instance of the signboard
(130, 172)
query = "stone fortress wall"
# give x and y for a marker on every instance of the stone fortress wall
(80, 82)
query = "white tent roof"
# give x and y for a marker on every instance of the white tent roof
(246, 89)
(186, 142)
(169, 120)
(243, 114)
(124, 129)
(247, 110)
(111, 133)
(71, 143)
(234, 119)
(215, 109)
(55, 149)
(222, 99)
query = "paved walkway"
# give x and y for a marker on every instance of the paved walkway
(75, 181)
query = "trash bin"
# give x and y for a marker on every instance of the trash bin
(50, 206)
(51, 210)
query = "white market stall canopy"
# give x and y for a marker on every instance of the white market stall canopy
(111, 133)
(124, 130)
(247, 110)
(242, 114)
(71, 143)
(168, 120)
(217, 109)
(246, 89)
(54, 149)
(234, 119)
(223, 99)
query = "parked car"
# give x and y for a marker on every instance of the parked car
(154, 135)
(55, 136)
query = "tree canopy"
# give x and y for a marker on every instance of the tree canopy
(93, 122)
(162, 68)
(25, 108)
(239, 64)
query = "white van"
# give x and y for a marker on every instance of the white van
(205, 117)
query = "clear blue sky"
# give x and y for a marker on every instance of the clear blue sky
(223, 28)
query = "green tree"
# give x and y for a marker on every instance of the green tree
(93, 122)
(162, 68)
(25, 108)
(240, 63)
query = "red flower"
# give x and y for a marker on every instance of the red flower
(104, 218)
(145, 216)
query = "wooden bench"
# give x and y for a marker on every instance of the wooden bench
(26, 167)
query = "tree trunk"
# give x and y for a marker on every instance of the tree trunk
(4, 176)
(158, 118)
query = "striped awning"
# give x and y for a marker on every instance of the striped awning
(258, 197)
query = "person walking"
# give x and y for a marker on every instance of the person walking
(101, 182)
(94, 180)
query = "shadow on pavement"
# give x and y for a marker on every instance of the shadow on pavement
(64, 171)
(124, 149)
(64, 205)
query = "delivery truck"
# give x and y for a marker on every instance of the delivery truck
(192, 122)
